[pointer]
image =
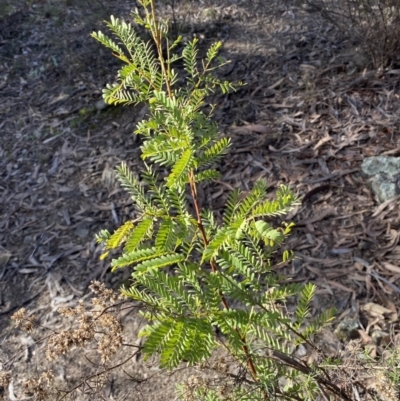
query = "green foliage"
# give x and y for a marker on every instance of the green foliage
(197, 274)
(178, 339)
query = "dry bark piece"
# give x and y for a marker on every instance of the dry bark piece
(365, 338)
(375, 310)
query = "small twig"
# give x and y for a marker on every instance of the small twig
(157, 36)
(323, 393)
(305, 369)
(26, 301)
(379, 277)
(25, 348)
(97, 375)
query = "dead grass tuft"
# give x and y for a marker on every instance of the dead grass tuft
(373, 25)
(39, 388)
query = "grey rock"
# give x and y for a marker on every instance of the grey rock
(384, 175)
(82, 230)
(347, 330)
(28, 239)
(101, 105)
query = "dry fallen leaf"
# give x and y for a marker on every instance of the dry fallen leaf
(245, 129)
(365, 338)
(391, 267)
(4, 258)
(392, 307)
(375, 310)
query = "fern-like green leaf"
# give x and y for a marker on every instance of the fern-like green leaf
(232, 204)
(159, 262)
(316, 324)
(133, 186)
(102, 236)
(214, 153)
(158, 192)
(268, 234)
(180, 168)
(163, 151)
(207, 176)
(137, 256)
(221, 238)
(168, 289)
(285, 201)
(166, 236)
(107, 42)
(144, 296)
(253, 198)
(178, 201)
(119, 235)
(213, 51)
(303, 304)
(189, 55)
(232, 335)
(182, 338)
(138, 235)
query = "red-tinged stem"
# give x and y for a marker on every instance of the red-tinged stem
(193, 189)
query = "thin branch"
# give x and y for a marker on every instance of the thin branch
(249, 360)
(157, 36)
(99, 374)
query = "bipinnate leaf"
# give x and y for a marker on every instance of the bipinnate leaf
(138, 235)
(179, 339)
(159, 262)
(137, 256)
(119, 235)
(221, 238)
(180, 169)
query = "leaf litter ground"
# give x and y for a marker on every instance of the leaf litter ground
(307, 116)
